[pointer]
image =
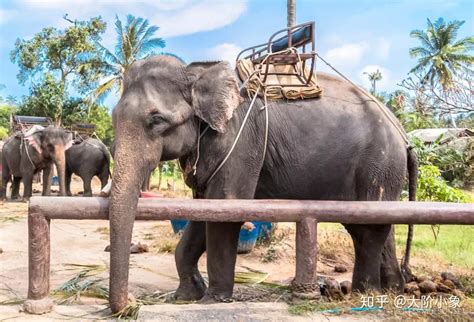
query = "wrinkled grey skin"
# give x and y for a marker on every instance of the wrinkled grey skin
(53, 143)
(147, 178)
(337, 147)
(87, 159)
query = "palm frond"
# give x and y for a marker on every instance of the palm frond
(424, 39)
(105, 88)
(465, 44)
(433, 36)
(108, 55)
(119, 52)
(419, 51)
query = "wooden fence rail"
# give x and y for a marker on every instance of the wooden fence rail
(306, 214)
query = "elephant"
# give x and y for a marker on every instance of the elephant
(87, 159)
(37, 149)
(340, 146)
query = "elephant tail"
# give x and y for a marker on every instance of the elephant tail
(412, 165)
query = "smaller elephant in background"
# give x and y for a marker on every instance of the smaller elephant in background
(26, 154)
(87, 159)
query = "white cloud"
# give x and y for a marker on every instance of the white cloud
(348, 55)
(174, 17)
(385, 83)
(199, 16)
(225, 51)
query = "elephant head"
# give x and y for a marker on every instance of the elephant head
(157, 119)
(51, 144)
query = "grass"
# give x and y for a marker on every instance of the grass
(354, 304)
(454, 245)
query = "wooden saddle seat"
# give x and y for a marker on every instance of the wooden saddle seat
(284, 66)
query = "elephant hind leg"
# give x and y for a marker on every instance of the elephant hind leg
(368, 242)
(391, 276)
(188, 251)
(221, 240)
(87, 179)
(104, 176)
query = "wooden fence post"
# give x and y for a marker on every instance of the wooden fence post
(38, 301)
(304, 284)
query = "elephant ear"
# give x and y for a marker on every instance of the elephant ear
(69, 140)
(34, 137)
(214, 93)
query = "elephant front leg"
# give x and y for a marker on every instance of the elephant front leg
(47, 178)
(190, 248)
(16, 188)
(221, 240)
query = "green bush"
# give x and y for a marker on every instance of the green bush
(456, 164)
(432, 187)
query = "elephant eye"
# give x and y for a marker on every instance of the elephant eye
(156, 118)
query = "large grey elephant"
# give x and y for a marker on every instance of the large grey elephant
(87, 159)
(37, 150)
(337, 147)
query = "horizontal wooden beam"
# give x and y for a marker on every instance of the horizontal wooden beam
(350, 212)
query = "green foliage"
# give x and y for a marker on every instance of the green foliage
(5, 112)
(432, 187)
(101, 118)
(456, 164)
(70, 51)
(53, 59)
(46, 99)
(77, 110)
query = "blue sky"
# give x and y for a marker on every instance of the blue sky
(355, 36)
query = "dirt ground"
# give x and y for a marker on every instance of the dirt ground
(83, 243)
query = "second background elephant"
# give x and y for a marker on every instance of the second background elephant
(87, 159)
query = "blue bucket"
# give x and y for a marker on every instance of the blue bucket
(248, 238)
(55, 181)
(178, 225)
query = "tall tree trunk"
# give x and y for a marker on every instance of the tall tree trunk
(291, 12)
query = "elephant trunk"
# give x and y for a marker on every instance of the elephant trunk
(60, 162)
(126, 182)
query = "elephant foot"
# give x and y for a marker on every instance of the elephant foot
(191, 290)
(213, 299)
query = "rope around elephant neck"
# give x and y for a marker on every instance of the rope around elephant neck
(236, 138)
(388, 115)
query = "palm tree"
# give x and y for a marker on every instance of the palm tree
(440, 55)
(134, 41)
(374, 77)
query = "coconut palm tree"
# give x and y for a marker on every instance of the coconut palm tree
(374, 77)
(134, 41)
(441, 55)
